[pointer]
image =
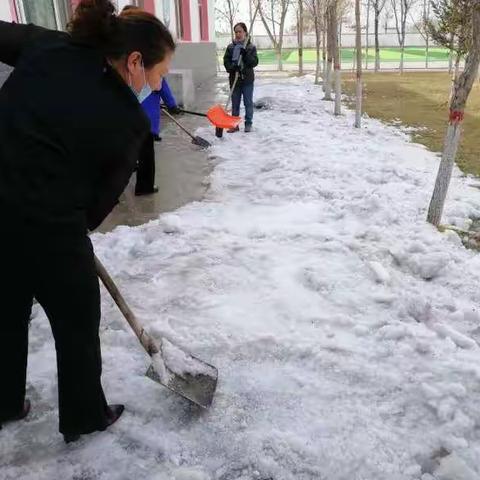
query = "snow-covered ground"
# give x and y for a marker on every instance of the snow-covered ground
(344, 327)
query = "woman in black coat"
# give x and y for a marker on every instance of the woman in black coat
(239, 60)
(71, 126)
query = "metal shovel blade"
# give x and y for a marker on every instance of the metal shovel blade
(184, 374)
(201, 142)
(171, 366)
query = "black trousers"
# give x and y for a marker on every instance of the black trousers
(59, 271)
(146, 166)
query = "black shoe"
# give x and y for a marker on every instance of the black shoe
(138, 193)
(248, 128)
(71, 438)
(114, 412)
(157, 138)
(25, 411)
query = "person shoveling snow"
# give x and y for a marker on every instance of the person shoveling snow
(63, 170)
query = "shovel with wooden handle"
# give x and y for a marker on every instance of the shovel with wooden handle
(196, 140)
(171, 366)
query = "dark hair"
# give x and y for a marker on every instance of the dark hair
(95, 23)
(126, 8)
(241, 24)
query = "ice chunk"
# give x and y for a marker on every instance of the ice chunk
(380, 273)
(453, 467)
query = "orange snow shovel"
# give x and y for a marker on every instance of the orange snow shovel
(220, 118)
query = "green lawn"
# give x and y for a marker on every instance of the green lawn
(412, 54)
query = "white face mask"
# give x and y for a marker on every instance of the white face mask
(146, 90)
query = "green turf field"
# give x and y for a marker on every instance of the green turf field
(412, 54)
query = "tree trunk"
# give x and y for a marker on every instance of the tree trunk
(450, 58)
(319, 64)
(280, 34)
(358, 46)
(250, 16)
(457, 66)
(300, 37)
(402, 55)
(324, 51)
(444, 173)
(463, 87)
(426, 16)
(367, 40)
(455, 75)
(318, 39)
(277, 43)
(427, 52)
(336, 53)
(330, 42)
(377, 43)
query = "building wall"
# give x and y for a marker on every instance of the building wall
(193, 54)
(211, 20)
(165, 10)
(5, 12)
(195, 21)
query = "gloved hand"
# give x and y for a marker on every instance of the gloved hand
(174, 110)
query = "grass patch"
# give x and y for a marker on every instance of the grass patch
(412, 54)
(421, 100)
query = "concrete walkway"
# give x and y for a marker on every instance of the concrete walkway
(182, 168)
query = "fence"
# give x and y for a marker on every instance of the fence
(347, 40)
(415, 54)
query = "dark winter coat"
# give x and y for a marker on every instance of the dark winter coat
(249, 62)
(70, 132)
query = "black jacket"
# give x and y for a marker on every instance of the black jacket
(249, 62)
(70, 131)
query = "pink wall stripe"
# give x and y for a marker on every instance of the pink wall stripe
(149, 6)
(13, 11)
(203, 4)
(186, 21)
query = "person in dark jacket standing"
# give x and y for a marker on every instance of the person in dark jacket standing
(239, 60)
(64, 161)
(146, 163)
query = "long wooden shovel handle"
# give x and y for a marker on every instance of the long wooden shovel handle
(147, 342)
(171, 117)
(231, 90)
(198, 114)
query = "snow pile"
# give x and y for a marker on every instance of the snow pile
(345, 329)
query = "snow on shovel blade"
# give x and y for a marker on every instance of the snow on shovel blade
(184, 374)
(171, 366)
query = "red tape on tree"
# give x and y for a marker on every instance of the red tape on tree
(456, 116)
